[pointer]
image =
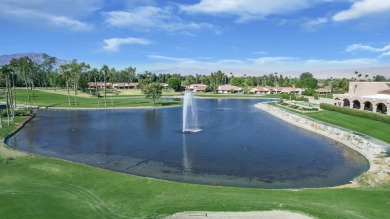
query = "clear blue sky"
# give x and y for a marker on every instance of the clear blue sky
(201, 36)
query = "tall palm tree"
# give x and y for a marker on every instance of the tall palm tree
(104, 70)
(67, 75)
(24, 67)
(6, 73)
(95, 75)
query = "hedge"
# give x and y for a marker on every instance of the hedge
(358, 113)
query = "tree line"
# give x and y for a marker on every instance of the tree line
(75, 76)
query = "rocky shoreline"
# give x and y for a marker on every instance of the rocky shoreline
(373, 150)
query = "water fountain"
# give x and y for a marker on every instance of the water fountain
(190, 114)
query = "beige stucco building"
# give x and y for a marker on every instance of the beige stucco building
(369, 96)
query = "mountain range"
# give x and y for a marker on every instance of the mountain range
(36, 57)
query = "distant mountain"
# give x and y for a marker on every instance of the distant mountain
(36, 57)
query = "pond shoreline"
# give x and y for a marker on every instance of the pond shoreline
(372, 151)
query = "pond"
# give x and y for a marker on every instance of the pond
(239, 145)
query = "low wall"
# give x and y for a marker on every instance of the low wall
(370, 148)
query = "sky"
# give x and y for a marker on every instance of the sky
(253, 37)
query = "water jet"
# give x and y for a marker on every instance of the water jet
(190, 114)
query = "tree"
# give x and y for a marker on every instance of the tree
(216, 79)
(130, 72)
(306, 80)
(95, 75)
(24, 66)
(67, 77)
(45, 68)
(6, 74)
(379, 78)
(153, 91)
(174, 83)
(236, 81)
(105, 70)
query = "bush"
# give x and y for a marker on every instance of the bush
(293, 97)
(358, 113)
(308, 92)
(20, 112)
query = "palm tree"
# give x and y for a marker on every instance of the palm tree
(24, 67)
(95, 75)
(104, 70)
(6, 72)
(67, 75)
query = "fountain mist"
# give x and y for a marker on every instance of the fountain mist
(190, 114)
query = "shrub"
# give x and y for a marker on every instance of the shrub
(293, 97)
(20, 112)
(365, 180)
(358, 113)
(308, 92)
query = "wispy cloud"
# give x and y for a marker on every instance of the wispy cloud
(313, 24)
(151, 18)
(263, 64)
(62, 13)
(275, 60)
(363, 8)
(246, 10)
(385, 51)
(360, 61)
(113, 44)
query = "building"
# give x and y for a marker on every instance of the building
(260, 90)
(289, 90)
(227, 88)
(324, 90)
(198, 88)
(369, 96)
(110, 85)
(125, 85)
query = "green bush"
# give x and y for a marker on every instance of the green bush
(358, 113)
(20, 112)
(293, 97)
(308, 92)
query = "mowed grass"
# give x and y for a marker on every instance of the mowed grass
(60, 99)
(376, 129)
(39, 187)
(33, 186)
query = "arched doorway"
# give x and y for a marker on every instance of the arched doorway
(346, 103)
(381, 108)
(367, 106)
(356, 104)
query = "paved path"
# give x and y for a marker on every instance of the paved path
(239, 215)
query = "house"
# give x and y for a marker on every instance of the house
(99, 85)
(125, 85)
(260, 90)
(198, 88)
(227, 88)
(369, 96)
(290, 90)
(324, 90)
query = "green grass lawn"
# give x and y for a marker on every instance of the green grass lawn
(45, 99)
(376, 129)
(39, 187)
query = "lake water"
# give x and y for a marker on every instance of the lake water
(240, 145)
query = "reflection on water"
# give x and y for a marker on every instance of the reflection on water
(239, 145)
(187, 166)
